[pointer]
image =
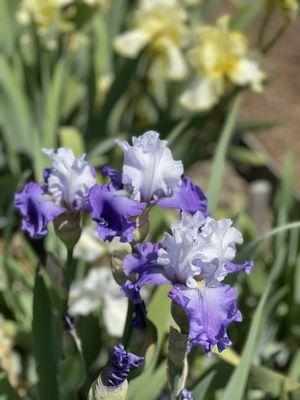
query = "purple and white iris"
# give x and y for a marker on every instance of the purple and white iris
(150, 176)
(195, 259)
(66, 188)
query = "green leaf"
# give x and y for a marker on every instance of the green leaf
(6, 390)
(246, 156)
(216, 176)
(54, 95)
(200, 390)
(152, 385)
(159, 316)
(238, 380)
(72, 369)
(44, 342)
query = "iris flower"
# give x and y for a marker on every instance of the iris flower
(161, 26)
(65, 190)
(220, 59)
(195, 259)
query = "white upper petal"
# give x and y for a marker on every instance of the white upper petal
(181, 251)
(149, 170)
(198, 247)
(70, 179)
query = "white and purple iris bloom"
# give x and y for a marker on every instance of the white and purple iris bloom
(195, 259)
(66, 187)
(150, 176)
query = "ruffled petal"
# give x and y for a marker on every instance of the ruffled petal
(36, 209)
(210, 310)
(113, 213)
(149, 170)
(143, 263)
(70, 179)
(246, 266)
(188, 198)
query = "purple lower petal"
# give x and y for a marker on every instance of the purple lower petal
(189, 198)
(114, 213)
(210, 311)
(246, 266)
(37, 211)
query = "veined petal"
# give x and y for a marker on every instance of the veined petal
(70, 179)
(36, 209)
(188, 198)
(130, 43)
(113, 212)
(202, 95)
(149, 170)
(210, 311)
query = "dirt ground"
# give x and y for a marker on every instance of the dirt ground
(280, 101)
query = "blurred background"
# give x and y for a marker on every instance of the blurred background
(220, 81)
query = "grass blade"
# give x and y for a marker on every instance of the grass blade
(215, 180)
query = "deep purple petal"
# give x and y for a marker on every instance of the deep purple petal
(37, 211)
(120, 364)
(210, 311)
(115, 177)
(143, 263)
(189, 198)
(113, 213)
(144, 256)
(246, 266)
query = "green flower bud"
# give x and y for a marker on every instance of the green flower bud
(99, 391)
(68, 229)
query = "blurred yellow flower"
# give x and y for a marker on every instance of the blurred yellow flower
(161, 26)
(289, 7)
(220, 59)
(45, 13)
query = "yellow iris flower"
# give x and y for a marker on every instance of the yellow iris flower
(161, 26)
(220, 59)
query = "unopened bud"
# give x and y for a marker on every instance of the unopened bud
(112, 383)
(99, 391)
(68, 229)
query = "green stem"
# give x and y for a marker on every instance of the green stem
(274, 39)
(128, 324)
(263, 28)
(69, 276)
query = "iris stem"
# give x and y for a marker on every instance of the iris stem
(69, 276)
(128, 324)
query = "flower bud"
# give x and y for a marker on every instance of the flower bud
(68, 229)
(112, 382)
(99, 391)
